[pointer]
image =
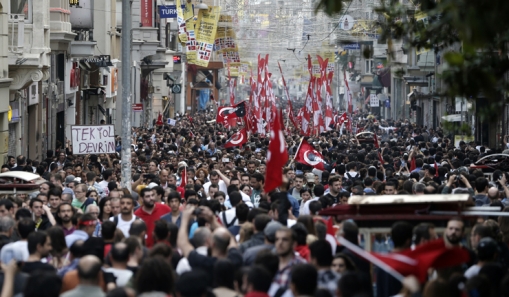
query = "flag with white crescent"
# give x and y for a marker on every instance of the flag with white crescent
(277, 156)
(307, 155)
(226, 113)
(237, 139)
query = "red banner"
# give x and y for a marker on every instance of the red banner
(146, 13)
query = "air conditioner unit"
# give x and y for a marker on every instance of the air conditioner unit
(33, 94)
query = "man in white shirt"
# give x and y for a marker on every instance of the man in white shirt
(18, 249)
(108, 175)
(317, 192)
(229, 218)
(126, 216)
(215, 180)
(119, 256)
(201, 240)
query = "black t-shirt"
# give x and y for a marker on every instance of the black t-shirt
(197, 261)
(30, 267)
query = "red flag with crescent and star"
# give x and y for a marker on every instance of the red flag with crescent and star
(227, 113)
(307, 155)
(277, 156)
(237, 139)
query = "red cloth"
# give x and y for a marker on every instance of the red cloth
(107, 248)
(412, 164)
(433, 254)
(304, 252)
(306, 154)
(181, 191)
(237, 139)
(184, 179)
(256, 294)
(149, 219)
(277, 156)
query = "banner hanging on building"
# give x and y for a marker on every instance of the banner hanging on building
(146, 13)
(206, 28)
(98, 139)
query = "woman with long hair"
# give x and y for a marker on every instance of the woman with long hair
(105, 209)
(93, 194)
(59, 252)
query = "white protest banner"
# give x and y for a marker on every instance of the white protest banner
(98, 139)
(373, 100)
(172, 122)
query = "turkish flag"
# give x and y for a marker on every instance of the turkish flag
(237, 139)
(436, 169)
(306, 154)
(375, 139)
(183, 181)
(226, 113)
(277, 156)
(159, 121)
(433, 254)
(343, 118)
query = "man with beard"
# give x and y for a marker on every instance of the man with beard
(453, 236)
(150, 212)
(126, 217)
(65, 213)
(286, 241)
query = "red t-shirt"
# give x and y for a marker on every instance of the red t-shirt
(149, 219)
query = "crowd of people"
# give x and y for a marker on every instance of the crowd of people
(197, 222)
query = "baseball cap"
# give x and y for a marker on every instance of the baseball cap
(151, 185)
(69, 179)
(310, 177)
(270, 230)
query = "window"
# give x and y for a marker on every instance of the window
(22, 7)
(369, 64)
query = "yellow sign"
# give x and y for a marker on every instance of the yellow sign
(206, 28)
(181, 22)
(9, 114)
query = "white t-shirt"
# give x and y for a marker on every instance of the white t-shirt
(221, 184)
(230, 214)
(124, 226)
(352, 174)
(123, 275)
(472, 271)
(305, 209)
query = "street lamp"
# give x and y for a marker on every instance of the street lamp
(202, 5)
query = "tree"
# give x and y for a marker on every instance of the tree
(479, 28)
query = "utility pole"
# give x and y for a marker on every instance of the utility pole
(126, 94)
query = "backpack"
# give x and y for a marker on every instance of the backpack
(228, 225)
(352, 179)
(87, 203)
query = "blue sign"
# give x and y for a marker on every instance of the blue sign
(168, 11)
(351, 46)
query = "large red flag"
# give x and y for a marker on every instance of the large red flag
(434, 254)
(277, 156)
(307, 155)
(375, 139)
(226, 113)
(237, 139)
(159, 121)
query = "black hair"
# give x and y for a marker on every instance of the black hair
(401, 234)
(43, 284)
(156, 274)
(304, 278)
(34, 239)
(260, 278)
(321, 250)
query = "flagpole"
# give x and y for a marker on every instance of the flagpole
(298, 148)
(357, 250)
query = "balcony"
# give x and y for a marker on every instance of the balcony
(82, 49)
(60, 25)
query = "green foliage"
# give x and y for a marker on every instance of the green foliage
(472, 34)
(330, 7)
